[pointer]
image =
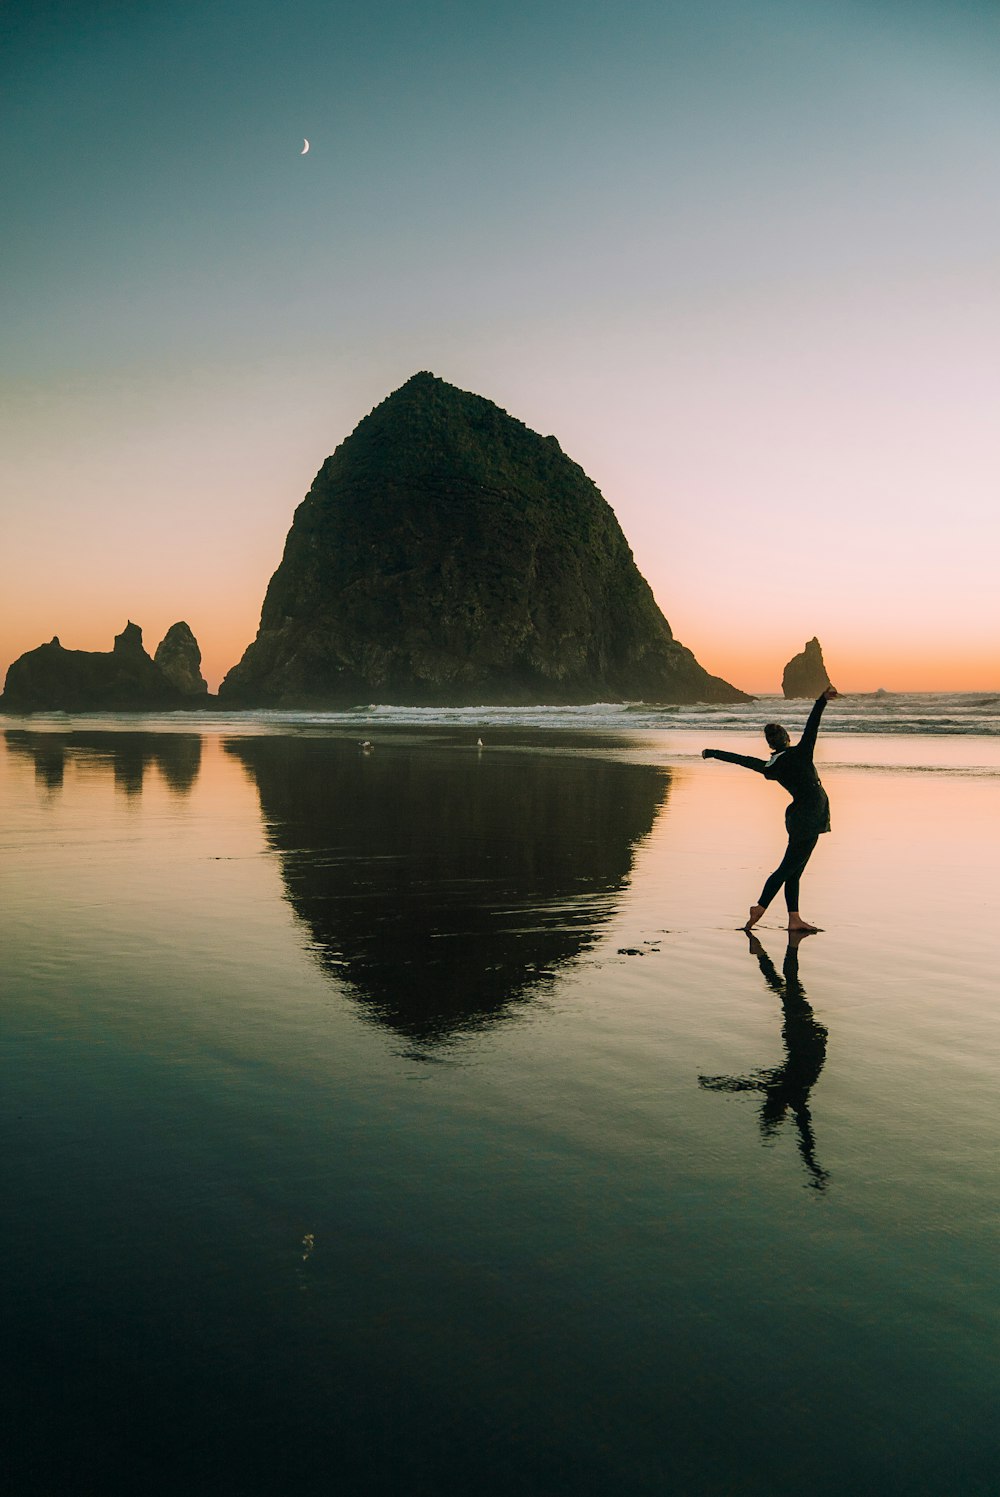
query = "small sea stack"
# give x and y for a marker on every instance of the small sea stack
(805, 674)
(179, 658)
(447, 555)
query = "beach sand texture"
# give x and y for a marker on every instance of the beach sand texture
(422, 1121)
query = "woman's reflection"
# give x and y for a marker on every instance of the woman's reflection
(786, 1087)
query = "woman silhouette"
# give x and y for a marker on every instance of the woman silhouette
(805, 819)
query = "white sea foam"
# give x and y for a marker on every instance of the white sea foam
(927, 715)
(877, 712)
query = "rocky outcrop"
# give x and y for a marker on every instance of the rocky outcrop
(123, 679)
(805, 674)
(446, 554)
(179, 658)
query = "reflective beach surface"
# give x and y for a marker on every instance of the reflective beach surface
(418, 1120)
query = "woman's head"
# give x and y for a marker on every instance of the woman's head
(777, 737)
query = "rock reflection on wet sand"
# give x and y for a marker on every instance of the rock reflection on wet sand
(442, 887)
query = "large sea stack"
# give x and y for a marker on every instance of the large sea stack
(805, 674)
(447, 555)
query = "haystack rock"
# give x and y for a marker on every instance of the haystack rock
(179, 658)
(805, 674)
(123, 679)
(448, 555)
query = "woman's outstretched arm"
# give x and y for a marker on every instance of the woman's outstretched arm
(743, 759)
(808, 739)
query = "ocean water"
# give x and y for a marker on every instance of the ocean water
(880, 713)
(419, 1120)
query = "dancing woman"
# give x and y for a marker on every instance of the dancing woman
(806, 818)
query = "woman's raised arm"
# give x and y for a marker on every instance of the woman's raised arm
(808, 739)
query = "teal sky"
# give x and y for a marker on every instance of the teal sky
(742, 259)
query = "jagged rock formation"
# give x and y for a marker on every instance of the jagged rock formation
(123, 679)
(179, 658)
(448, 555)
(805, 674)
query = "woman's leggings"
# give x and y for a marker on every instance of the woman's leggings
(789, 871)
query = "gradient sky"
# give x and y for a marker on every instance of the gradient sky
(740, 258)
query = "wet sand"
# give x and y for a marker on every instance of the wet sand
(424, 1121)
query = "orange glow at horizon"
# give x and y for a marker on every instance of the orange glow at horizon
(854, 669)
(229, 624)
(743, 593)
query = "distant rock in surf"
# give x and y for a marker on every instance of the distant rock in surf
(805, 674)
(179, 658)
(446, 554)
(123, 679)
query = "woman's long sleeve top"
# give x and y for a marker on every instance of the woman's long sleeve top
(809, 812)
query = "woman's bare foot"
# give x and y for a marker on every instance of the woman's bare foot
(796, 922)
(756, 911)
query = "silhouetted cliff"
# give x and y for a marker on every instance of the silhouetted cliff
(119, 680)
(447, 554)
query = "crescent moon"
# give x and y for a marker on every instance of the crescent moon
(305, 147)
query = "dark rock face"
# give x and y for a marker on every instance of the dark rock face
(128, 644)
(179, 658)
(447, 554)
(120, 680)
(805, 674)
